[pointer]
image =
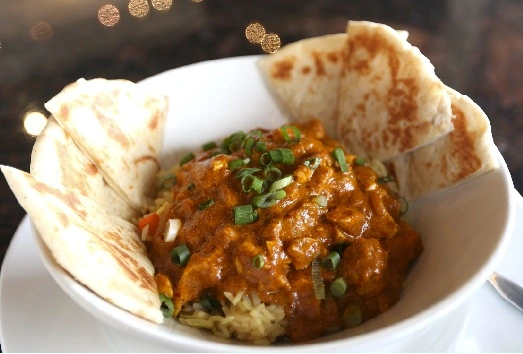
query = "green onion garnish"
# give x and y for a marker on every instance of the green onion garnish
(206, 204)
(265, 159)
(352, 316)
(250, 183)
(180, 255)
(236, 163)
(404, 206)
(271, 172)
(208, 146)
(312, 163)
(186, 158)
(261, 146)
(340, 247)
(359, 161)
(244, 214)
(281, 183)
(168, 181)
(320, 200)
(167, 306)
(268, 199)
(191, 186)
(210, 303)
(296, 134)
(247, 145)
(246, 171)
(385, 179)
(319, 287)
(258, 262)
(331, 261)
(339, 156)
(282, 155)
(233, 142)
(338, 287)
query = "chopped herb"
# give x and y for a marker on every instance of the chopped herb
(244, 214)
(186, 158)
(258, 262)
(268, 199)
(206, 204)
(210, 303)
(331, 261)
(338, 287)
(339, 156)
(295, 132)
(208, 146)
(312, 163)
(281, 183)
(166, 306)
(180, 255)
(385, 179)
(168, 181)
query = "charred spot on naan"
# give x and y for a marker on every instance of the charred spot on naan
(282, 69)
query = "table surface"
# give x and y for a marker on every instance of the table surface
(476, 47)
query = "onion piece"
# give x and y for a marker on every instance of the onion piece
(319, 287)
(171, 230)
(145, 232)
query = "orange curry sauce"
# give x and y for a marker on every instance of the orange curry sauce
(361, 220)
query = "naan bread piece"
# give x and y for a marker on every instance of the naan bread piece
(56, 160)
(466, 152)
(390, 100)
(100, 250)
(305, 77)
(120, 128)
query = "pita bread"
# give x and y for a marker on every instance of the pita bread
(97, 248)
(390, 100)
(57, 161)
(305, 78)
(120, 128)
(466, 152)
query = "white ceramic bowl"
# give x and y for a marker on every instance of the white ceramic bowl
(465, 230)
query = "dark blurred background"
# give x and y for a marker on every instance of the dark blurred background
(475, 45)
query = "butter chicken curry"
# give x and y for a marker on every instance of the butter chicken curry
(288, 215)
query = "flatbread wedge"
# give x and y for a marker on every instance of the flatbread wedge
(56, 160)
(305, 76)
(120, 128)
(466, 152)
(98, 249)
(390, 100)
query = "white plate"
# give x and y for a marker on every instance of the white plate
(37, 316)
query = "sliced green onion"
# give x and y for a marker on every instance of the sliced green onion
(233, 142)
(236, 163)
(250, 183)
(258, 262)
(359, 161)
(312, 163)
(186, 158)
(282, 155)
(331, 261)
(261, 146)
(180, 255)
(385, 179)
(166, 306)
(317, 282)
(208, 146)
(246, 171)
(338, 287)
(281, 183)
(404, 206)
(244, 214)
(210, 303)
(271, 172)
(320, 200)
(191, 186)
(206, 204)
(352, 316)
(296, 134)
(339, 156)
(265, 159)
(268, 199)
(168, 181)
(247, 145)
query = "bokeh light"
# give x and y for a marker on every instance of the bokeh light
(138, 8)
(41, 32)
(34, 122)
(255, 32)
(162, 5)
(270, 43)
(108, 15)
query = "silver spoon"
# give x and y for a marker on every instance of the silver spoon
(508, 290)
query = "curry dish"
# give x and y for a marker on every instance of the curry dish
(288, 215)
